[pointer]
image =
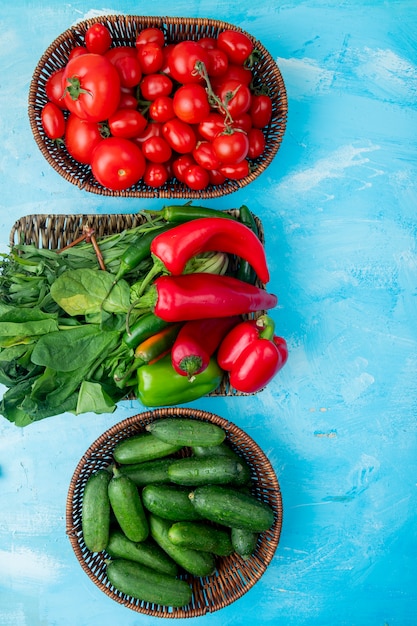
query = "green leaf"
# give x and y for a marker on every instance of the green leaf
(93, 398)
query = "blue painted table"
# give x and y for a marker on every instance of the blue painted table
(338, 206)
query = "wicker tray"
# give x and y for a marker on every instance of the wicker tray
(233, 576)
(124, 29)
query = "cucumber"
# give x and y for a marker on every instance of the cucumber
(147, 473)
(223, 449)
(232, 508)
(186, 432)
(169, 502)
(142, 447)
(95, 513)
(244, 542)
(194, 471)
(146, 552)
(194, 562)
(127, 507)
(145, 584)
(200, 536)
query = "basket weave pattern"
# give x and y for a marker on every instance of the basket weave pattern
(124, 29)
(234, 576)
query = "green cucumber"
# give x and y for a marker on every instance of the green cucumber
(142, 447)
(192, 471)
(95, 513)
(244, 542)
(127, 507)
(201, 536)
(170, 502)
(232, 508)
(186, 432)
(147, 473)
(223, 449)
(145, 584)
(145, 552)
(194, 562)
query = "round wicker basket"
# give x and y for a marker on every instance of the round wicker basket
(124, 29)
(234, 576)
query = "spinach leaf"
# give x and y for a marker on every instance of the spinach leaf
(23, 326)
(92, 397)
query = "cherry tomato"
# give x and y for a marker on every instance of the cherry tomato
(154, 85)
(155, 175)
(257, 143)
(233, 72)
(180, 165)
(236, 45)
(77, 52)
(231, 147)
(81, 138)
(236, 96)
(153, 129)
(205, 155)
(162, 109)
(53, 89)
(211, 126)
(236, 171)
(129, 70)
(53, 120)
(182, 61)
(191, 103)
(217, 62)
(114, 54)
(209, 43)
(216, 177)
(166, 51)
(156, 150)
(180, 135)
(150, 35)
(127, 123)
(150, 57)
(261, 110)
(128, 100)
(98, 39)
(117, 163)
(243, 121)
(196, 177)
(94, 83)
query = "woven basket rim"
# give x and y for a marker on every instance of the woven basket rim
(81, 176)
(241, 575)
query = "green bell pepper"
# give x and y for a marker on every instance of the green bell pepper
(160, 385)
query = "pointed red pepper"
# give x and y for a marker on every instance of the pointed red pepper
(252, 354)
(178, 245)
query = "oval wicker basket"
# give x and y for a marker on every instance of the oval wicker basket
(233, 576)
(124, 29)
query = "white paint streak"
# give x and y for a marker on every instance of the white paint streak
(304, 77)
(25, 566)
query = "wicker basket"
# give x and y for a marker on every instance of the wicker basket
(124, 29)
(234, 576)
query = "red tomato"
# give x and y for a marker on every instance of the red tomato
(211, 126)
(196, 177)
(98, 39)
(94, 83)
(236, 45)
(53, 120)
(216, 177)
(127, 123)
(205, 155)
(156, 150)
(153, 129)
(154, 85)
(209, 43)
(182, 61)
(261, 110)
(166, 51)
(150, 35)
(81, 138)
(156, 174)
(114, 54)
(217, 62)
(181, 164)
(231, 147)
(236, 96)
(233, 72)
(257, 143)
(129, 70)
(180, 135)
(150, 57)
(236, 171)
(243, 121)
(191, 103)
(162, 109)
(77, 52)
(128, 100)
(53, 88)
(117, 163)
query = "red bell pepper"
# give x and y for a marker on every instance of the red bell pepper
(197, 341)
(200, 295)
(178, 245)
(252, 354)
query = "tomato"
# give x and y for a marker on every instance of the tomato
(236, 96)
(216, 177)
(117, 163)
(196, 177)
(150, 57)
(243, 121)
(81, 138)
(236, 45)
(53, 120)
(211, 126)
(191, 103)
(129, 70)
(115, 54)
(233, 72)
(182, 61)
(98, 39)
(205, 155)
(162, 109)
(181, 164)
(94, 83)
(153, 129)
(77, 52)
(217, 62)
(166, 51)
(209, 43)
(180, 135)
(236, 171)
(128, 100)
(53, 89)
(156, 150)
(156, 174)
(127, 123)
(154, 85)
(231, 147)
(150, 35)
(261, 110)
(257, 143)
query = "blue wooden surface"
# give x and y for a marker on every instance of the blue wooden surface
(338, 206)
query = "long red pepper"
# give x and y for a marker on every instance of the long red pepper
(178, 245)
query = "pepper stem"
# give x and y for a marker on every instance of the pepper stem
(267, 327)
